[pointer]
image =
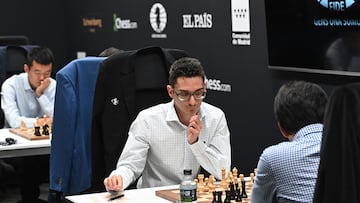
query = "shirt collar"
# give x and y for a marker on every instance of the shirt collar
(26, 82)
(172, 116)
(309, 129)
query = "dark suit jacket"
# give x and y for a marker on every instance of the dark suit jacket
(127, 83)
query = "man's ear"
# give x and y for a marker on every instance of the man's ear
(170, 91)
(26, 68)
(283, 132)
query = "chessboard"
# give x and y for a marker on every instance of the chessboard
(28, 133)
(40, 131)
(212, 192)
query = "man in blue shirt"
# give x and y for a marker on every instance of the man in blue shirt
(23, 98)
(31, 94)
(287, 172)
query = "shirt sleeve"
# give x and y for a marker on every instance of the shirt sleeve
(133, 157)
(264, 188)
(10, 108)
(215, 155)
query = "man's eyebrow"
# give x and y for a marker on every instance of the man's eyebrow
(189, 91)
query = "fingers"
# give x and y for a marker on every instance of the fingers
(45, 83)
(113, 182)
(195, 123)
(194, 129)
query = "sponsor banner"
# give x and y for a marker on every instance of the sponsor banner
(158, 20)
(240, 15)
(92, 24)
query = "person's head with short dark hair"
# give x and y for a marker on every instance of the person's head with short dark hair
(110, 51)
(185, 67)
(187, 87)
(41, 55)
(298, 104)
(39, 67)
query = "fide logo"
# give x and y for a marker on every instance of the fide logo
(158, 17)
(339, 5)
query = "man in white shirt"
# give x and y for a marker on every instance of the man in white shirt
(24, 97)
(165, 139)
(31, 94)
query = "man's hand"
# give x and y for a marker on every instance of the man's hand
(114, 183)
(194, 129)
(42, 87)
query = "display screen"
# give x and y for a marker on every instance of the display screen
(320, 36)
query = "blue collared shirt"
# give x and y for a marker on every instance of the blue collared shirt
(20, 102)
(289, 169)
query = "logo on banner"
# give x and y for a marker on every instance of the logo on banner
(240, 14)
(92, 23)
(336, 5)
(197, 20)
(123, 23)
(216, 85)
(158, 20)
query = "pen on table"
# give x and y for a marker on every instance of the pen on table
(116, 197)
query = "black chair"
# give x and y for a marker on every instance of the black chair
(14, 40)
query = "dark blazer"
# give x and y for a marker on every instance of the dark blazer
(70, 166)
(127, 83)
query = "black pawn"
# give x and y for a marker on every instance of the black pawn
(238, 195)
(214, 197)
(243, 190)
(37, 131)
(219, 193)
(228, 196)
(232, 191)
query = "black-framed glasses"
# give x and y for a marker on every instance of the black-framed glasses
(185, 96)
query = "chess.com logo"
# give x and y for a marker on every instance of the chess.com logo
(158, 17)
(339, 5)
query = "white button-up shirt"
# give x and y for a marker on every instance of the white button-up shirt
(157, 147)
(20, 102)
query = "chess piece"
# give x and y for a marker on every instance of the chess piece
(37, 121)
(201, 182)
(238, 195)
(37, 131)
(243, 189)
(223, 183)
(206, 188)
(219, 193)
(228, 196)
(229, 178)
(252, 176)
(45, 130)
(235, 174)
(214, 197)
(23, 126)
(212, 181)
(232, 191)
(241, 178)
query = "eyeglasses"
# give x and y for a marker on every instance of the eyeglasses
(185, 96)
